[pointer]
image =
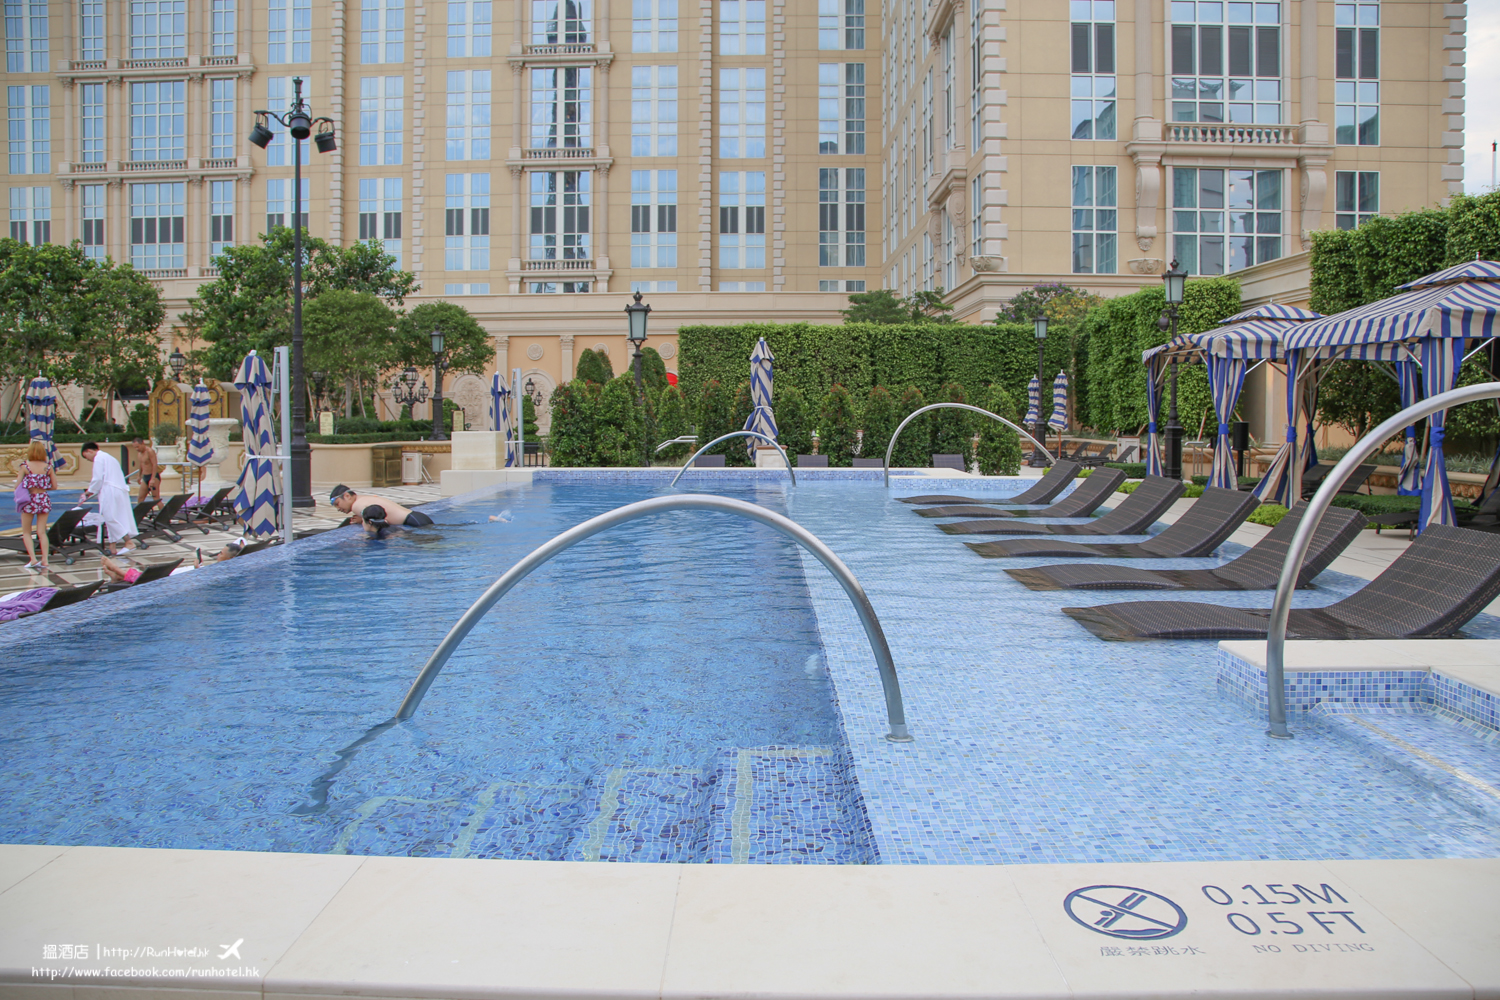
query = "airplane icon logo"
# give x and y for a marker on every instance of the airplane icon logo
(232, 949)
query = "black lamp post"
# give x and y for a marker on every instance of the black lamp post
(636, 314)
(1175, 280)
(437, 386)
(299, 123)
(1039, 326)
(404, 388)
(177, 361)
(319, 379)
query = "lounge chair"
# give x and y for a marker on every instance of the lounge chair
(1133, 516)
(709, 462)
(1443, 579)
(869, 463)
(812, 461)
(66, 596)
(257, 546)
(949, 462)
(1257, 569)
(1095, 459)
(158, 524)
(1206, 524)
(219, 510)
(148, 575)
(1082, 502)
(66, 537)
(1313, 478)
(1045, 491)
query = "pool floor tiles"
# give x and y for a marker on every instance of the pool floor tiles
(763, 805)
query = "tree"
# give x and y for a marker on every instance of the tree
(879, 422)
(836, 426)
(121, 343)
(739, 416)
(593, 366)
(349, 335)
(879, 306)
(792, 428)
(953, 433)
(653, 371)
(249, 306)
(929, 307)
(1062, 304)
(713, 413)
(914, 446)
(571, 442)
(466, 347)
(1356, 395)
(617, 439)
(999, 451)
(673, 422)
(43, 309)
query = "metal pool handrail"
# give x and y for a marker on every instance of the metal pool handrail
(735, 434)
(894, 708)
(1302, 539)
(890, 448)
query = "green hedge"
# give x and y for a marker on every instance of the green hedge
(1373, 506)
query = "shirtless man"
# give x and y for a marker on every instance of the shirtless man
(375, 512)
(150, 465)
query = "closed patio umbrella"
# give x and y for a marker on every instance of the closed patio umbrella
(1033, 402)
(761, 419)
(200, 451)
(500, 401)
(41, 412)
(1059, 418)
(256, 498)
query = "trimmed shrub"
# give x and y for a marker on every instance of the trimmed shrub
(1268, 514)
(672, 422)
(954, 430)
(1473, 228)
(836, 426)
(878, 421)
(617, 434)
(594, 366)
(1133, 470)
(653, 370)
(714, 416)
(573, 415)
(740, 451)
(999, 452)
(793, 429)
(914, 446)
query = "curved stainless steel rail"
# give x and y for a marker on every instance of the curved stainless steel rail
(734, 434)
(1316, 508)
(894, 709)
(890, 448)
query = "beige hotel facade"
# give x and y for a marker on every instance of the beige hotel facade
(538, 160)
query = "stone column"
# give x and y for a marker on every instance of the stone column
(502, 354)
(1145, 79)
(565, 342)
(1308, 46)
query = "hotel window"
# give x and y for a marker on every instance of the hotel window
(927, 262)
(289, 31)
(559, 287)
(31, 215)
(279, 202)
(742, 219)
(469, 114)
(1356, 197)
(654, 25)
(382, 31)
(742, 113)
(221, 119)
(976, 74)
(841, 286)
(1356, 87)
(466, 222)
(472, 288)
(841, 24)
(841, 108)
(927, 124)
(841, 217)
(949, 98)
(91, 29)
(222, 28)
(380, 120)
(742, 286)
(560, 215)
(976, 216)
(380, 213)
(1093, 67)
(653, 111)
(653, 286)
(156, 225)
(157, 120)
(742, 27)
(561, 109)
(950, 269)
(91, 122)
(562, 22)
(1226, 63)
(1225, 220)
(26, 36)
(469, 28)
(91, 202)
(158, 30)
(279, 94)
(1095, 220)
(29, 110)
(653, 218)
(220, 217)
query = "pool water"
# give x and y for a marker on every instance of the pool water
(61, 501)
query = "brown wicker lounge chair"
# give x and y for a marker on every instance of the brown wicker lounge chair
(1083, 501)
(1047, 488)
(1133, 516)
(148, 575)
(1445, 578)
(66, 596)
(1211, 519)
(1257, 569)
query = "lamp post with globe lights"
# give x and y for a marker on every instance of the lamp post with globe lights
(1176, 282)
(1039, 327)
(636, 314)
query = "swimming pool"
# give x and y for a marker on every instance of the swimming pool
(61, 501)
(660, 693)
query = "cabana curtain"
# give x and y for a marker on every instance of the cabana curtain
(1226, 376)
(1409, 375)
(1441, 359)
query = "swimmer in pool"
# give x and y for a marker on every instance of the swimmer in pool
(376, 513)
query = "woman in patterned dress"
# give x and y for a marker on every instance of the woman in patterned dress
(40, 505)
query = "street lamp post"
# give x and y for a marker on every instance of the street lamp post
(404, 389)
(1039, 326)
(636, 314)
(177, 361)
(299, 123)
(437, 386)
(1175, 280)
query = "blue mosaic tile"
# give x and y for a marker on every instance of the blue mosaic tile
(1328, 690)
(1467, 702)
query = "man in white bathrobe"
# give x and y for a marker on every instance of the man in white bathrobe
(109, 486)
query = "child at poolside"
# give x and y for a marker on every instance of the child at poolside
(38, 504)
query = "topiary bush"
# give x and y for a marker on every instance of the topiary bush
(999, 452)
(878, 421)
(713, 415)
(1268, 514)
(836, 426)
(617, 436)
(672, 422)
(739, 416)
(573, 422)
(954, 430)
(914, 446)
(594, 366)
(793, 429)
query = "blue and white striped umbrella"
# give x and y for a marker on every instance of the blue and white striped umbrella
(502, 415)
(1059, 418)
(41, 414)
(1272, 311)
(1441, 359)
(1226, 376)
(200, 450)
(256, 497)
(761, 419)
(1033, 403)
(1154, 368)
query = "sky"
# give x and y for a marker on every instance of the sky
(1481, 108)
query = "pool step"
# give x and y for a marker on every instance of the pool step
(767, 805)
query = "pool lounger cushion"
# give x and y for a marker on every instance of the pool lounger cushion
(1045, 491)
(1133, 516)
(1082, 502)
(1203, 528)
(1442, 580)
(1257, 569)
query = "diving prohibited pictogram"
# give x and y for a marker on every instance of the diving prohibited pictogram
(1124, 911)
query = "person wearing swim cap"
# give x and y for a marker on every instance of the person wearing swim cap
(376, 513)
